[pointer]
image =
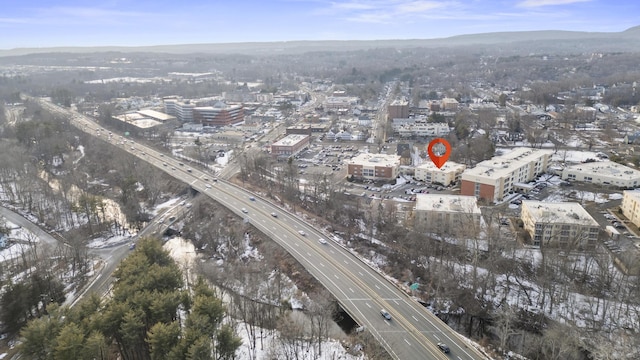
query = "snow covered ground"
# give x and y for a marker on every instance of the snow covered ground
(183, 252)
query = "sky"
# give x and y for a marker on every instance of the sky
(52, 23)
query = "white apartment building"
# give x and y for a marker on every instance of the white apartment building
(448, 174)
(493, 179)
(559, 224)
(631, 206)
(447, 212)
(374, 166)
(604, 173)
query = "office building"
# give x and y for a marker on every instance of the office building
(374, 166)
(290, 145)
(603, 173)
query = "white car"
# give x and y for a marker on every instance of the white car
(322, 241)
(302, 233)
(245, 210)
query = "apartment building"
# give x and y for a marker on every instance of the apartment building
(289, 145)
(603, 173)
(399, 108)
(631, 206)
(447, 212)
(448, 174)
(374, 166)
(559, 224)
(493, 179)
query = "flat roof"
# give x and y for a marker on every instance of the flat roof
(157, 115)
(447, 203)
(375, 160)
(562, 213)
(606, 168)
(289, 140)
(448, 166)
(632, 193)
(504, 165)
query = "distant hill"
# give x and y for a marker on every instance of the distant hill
(624, 41)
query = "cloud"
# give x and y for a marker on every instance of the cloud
(386, 11)
(539, 3)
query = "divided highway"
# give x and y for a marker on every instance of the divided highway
(412, 332)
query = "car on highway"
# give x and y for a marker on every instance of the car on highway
(274, 215)
(443, 347)
(385, 314)
(322, 241)
(245, 210)
(252, 198)
(302, 233)
(208, 186)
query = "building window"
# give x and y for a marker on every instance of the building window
(368, 172)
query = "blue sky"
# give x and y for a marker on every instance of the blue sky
(45, 23)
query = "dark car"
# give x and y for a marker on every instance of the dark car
(443, 347)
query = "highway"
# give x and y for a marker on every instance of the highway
(413, 331)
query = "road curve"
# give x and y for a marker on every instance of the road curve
(362, 291)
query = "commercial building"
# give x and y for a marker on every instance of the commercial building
(604, 173)
(448, 174)
(290, 145)
(182, 110)
(399, 108)
(447, 212)
(374, 166)
(631, 206)
(219, 114)
(559, 224)
(343, 103)
(449, 104)
(493, 179)
(419, 128)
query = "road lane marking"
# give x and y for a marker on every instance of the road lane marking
(377, 287)
(361, 274)
(321, 264)
(336, 276)
(346, 262)
(352, 290)
(396, 301)
(308, 253)
(368, 305)
(415, 318)
(331, 251)
(436, 336)
(407, 341)
(297, 244)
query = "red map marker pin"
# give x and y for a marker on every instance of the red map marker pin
(440, 155)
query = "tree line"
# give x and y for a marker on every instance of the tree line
(150, 315)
